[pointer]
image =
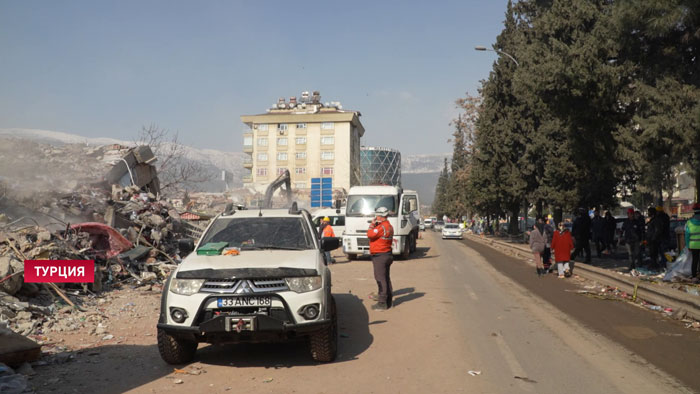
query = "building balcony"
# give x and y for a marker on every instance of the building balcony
(247, 148)
(248, 179)
(248, 162)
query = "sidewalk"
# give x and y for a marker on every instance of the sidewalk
(682, 298)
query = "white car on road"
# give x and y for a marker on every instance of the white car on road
(256, 276)
(451, 230)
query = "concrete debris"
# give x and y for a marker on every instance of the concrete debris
(11, 382)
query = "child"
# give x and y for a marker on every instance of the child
(563, 244)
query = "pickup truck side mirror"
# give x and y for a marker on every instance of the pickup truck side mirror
(186, 246)
(330, 243)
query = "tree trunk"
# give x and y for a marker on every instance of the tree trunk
(513, 226)
(539, 208)
(697, 184)
(558, 215)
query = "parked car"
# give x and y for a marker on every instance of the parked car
(438, 225)
(452, 230)
(255, 276)
(428, 223)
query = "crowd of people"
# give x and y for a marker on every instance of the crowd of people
(650, 236)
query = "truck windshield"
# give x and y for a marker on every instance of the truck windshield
(365, 205)
(261, 233)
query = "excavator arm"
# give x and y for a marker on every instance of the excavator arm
(283, 179)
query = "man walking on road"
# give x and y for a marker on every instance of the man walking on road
(381, 236)
(632, 234)
(598, 228)
(692, 239)
(581, 231)
(326, 232)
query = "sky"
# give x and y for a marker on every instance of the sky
(106, 69)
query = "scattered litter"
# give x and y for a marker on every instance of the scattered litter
(268, 380)
(178, 381)
(474, 373)
(107, 337)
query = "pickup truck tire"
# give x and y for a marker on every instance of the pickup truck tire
(324, 343)
(174, 350)
(352, 256)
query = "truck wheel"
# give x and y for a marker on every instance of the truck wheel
(414, 241)
(174, 350)
(406, 249)
(324, 343)
(352, 256)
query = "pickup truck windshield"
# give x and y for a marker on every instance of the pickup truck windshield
(261, 233)
(365, 205)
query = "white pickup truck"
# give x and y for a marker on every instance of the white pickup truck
(404, 216)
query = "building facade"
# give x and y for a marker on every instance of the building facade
(306, 137)
(380, 166)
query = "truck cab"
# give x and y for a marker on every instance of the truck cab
(404, 217)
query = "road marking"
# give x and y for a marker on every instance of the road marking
(512, 362)
(471, 292)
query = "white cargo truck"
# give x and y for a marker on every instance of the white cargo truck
(404, 216)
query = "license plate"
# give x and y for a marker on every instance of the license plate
(244, 301)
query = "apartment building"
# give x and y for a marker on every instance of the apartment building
(309, 138)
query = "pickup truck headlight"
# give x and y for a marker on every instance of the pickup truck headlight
(185, 286)
(304, 284)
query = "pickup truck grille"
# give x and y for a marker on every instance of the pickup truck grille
(243, 286)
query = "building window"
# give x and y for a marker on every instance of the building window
(327, 140)
(327, 126)
(262, 141)
(300, 170)
(261, 127)
(301, 125)
(247, 141)
(327, 155)
(301, 140)
(282, 127)
(327, 170)
(282, 156)
(301, 155)
(262, 156)
(261, 171)
(281, 171)
(300, 185)
(282, 141)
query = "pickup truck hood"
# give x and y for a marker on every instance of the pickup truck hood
(303, 259)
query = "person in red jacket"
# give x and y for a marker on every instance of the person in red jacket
(563, 244)
(381, 236)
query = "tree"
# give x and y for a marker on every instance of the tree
(175, 172)
(441, 202)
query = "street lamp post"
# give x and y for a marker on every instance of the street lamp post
(483, 48)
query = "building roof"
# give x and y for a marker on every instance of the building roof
(319, 117)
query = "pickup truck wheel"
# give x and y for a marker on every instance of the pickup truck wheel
(324, 343)
(174, 350)
(352, 256)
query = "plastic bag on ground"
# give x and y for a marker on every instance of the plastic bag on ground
(681, 267)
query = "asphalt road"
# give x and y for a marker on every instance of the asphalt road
(459, 325)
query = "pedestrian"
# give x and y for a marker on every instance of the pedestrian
(547, 253)
(538, 240)
(665, 225)
(610, 230)
(653, 237)
(327, 231)
(692, 240)
(632, 235)
(381, 235)
(581, 231)
(598, 229)
(563, 244)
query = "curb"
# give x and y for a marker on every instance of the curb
(647, 291)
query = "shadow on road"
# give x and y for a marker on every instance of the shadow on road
(354, 338)
(421, 253)
(405, 295)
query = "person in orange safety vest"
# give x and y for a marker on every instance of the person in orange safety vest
(381, 236)
(327, 231)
